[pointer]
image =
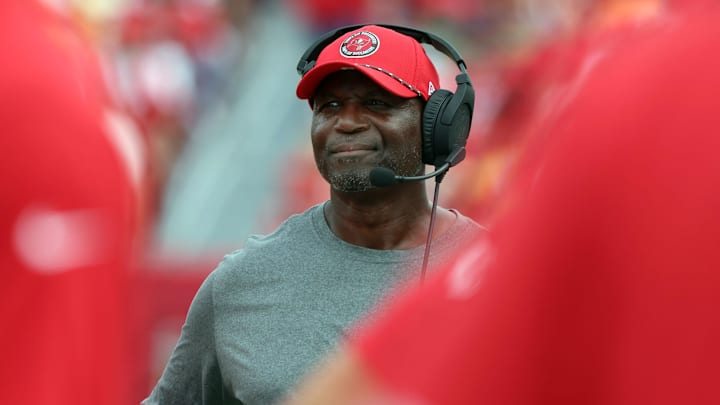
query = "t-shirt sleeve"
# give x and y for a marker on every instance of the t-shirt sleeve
(192, 375)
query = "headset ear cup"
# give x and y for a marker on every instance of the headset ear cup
(431, 114)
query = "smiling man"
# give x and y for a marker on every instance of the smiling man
(272, 309)
(345, 150)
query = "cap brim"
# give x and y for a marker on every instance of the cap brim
(312, 79)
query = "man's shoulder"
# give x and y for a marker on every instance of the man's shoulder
(290, 229)
(265, 251)
(467, 224)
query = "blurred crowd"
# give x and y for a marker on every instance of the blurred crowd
(216, 143)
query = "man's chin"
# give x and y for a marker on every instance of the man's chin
(352, 188)
(351, 182)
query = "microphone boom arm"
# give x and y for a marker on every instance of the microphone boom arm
(383, 177)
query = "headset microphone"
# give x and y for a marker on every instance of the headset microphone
(383, 177)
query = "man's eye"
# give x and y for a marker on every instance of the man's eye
(324, 104)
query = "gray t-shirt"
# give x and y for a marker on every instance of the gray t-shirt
(271, 310)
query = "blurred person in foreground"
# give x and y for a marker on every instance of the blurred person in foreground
(270, 310)
(601, 284)
(67, 218)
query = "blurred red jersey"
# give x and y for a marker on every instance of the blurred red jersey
(66, 219)
(602, 282)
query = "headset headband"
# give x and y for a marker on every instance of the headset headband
(307, 61)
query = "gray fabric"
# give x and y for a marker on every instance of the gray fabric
(271, 310)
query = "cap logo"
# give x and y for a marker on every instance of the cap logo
(360, 45)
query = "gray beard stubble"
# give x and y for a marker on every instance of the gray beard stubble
(358, 179)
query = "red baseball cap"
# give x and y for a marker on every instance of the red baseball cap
(395, 61)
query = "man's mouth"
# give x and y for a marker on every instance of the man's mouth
(351, 150)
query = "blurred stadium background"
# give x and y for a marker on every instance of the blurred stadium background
(218, 145)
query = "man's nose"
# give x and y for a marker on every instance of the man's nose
(352, 119)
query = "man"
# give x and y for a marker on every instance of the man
(601, 285)
(273, 308)
(68, 217)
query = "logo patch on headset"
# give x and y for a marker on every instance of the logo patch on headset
(360, 45)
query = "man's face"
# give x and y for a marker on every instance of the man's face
(357, 126)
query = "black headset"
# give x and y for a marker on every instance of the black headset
(446, 117)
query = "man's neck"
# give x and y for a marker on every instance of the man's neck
(384, 219)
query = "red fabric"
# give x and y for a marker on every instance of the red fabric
(390, 56)
(602, 283)
(66, 219)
